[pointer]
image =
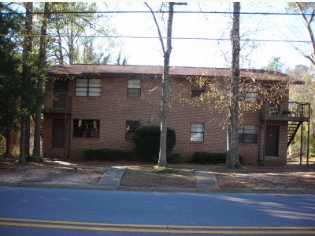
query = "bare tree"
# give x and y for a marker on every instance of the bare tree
(162, 161)
(307, 10)
(232, 159)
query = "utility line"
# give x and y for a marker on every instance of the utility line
(162, 12)
(176, 38)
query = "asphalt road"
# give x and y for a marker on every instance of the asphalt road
(40, 211)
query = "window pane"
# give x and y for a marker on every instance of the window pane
(196, 137)
(250, 138)
(197, 127)
(81, 93)
(134, 83)
(82, 81)
(96, 83)
(134, 93)
(250, 129)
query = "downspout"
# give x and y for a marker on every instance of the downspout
(259, 139)
(301, 146)
(264, 140)
(69, 128)
(308, 134)
(65, 137)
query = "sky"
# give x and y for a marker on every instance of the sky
(212, 53)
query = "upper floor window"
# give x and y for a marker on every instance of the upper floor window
(247, 134)
(134, 88)
(88, 87)
(197, 132)
(131, 128)
(86, 128)
(249, 92)
(197, 90)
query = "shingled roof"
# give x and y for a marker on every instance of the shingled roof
(175, 71)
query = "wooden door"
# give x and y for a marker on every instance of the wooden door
(58, 133)
(272, 140)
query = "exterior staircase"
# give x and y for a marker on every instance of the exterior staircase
(293, 127)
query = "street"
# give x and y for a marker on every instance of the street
(40, 211)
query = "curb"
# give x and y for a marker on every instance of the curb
(157, 189)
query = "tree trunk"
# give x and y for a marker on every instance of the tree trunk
(26, 75)
(9, 143)
(232, 159)
(41, 68)
(165, 80)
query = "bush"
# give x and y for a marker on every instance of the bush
(147, 141)
(107, 154)
(211, 158)
(170, 157)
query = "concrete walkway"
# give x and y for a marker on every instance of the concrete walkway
(112, 177)
(205, 178)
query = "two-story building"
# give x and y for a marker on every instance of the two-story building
(101, 106)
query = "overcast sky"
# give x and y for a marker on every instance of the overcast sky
(212, 53)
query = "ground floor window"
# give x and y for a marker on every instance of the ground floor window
(131, 128)
(197, 132)
(247, 134)
(86, 128)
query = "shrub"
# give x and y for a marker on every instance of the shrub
(211, 158)
(147, 141)
(107, 154)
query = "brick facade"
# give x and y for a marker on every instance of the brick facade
(113, 108)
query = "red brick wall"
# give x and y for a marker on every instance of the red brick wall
(113, 108)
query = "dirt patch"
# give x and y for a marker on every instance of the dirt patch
(52, 172)
(266, 178)
(143, 176)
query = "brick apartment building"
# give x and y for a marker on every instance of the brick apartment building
(100, 106)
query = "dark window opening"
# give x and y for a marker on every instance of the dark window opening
(86, 128)
(197, 90)
(131, 128)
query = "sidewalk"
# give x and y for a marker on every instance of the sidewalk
(108, 176)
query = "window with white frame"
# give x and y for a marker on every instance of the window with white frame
(88, 87)
(247, 133)
(134, 88)
(131, 128)
(197, 132)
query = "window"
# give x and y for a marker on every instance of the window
(197, 90)
(249, 92)
(88, 87)
(197, 132)
(131, 128)
(247, 134)
(134, 88)
(86, 128)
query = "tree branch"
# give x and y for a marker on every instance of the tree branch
(157, 26)
(310, 31)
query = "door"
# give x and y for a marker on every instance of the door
(272, 140)
(58, 133)
(60, 93)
